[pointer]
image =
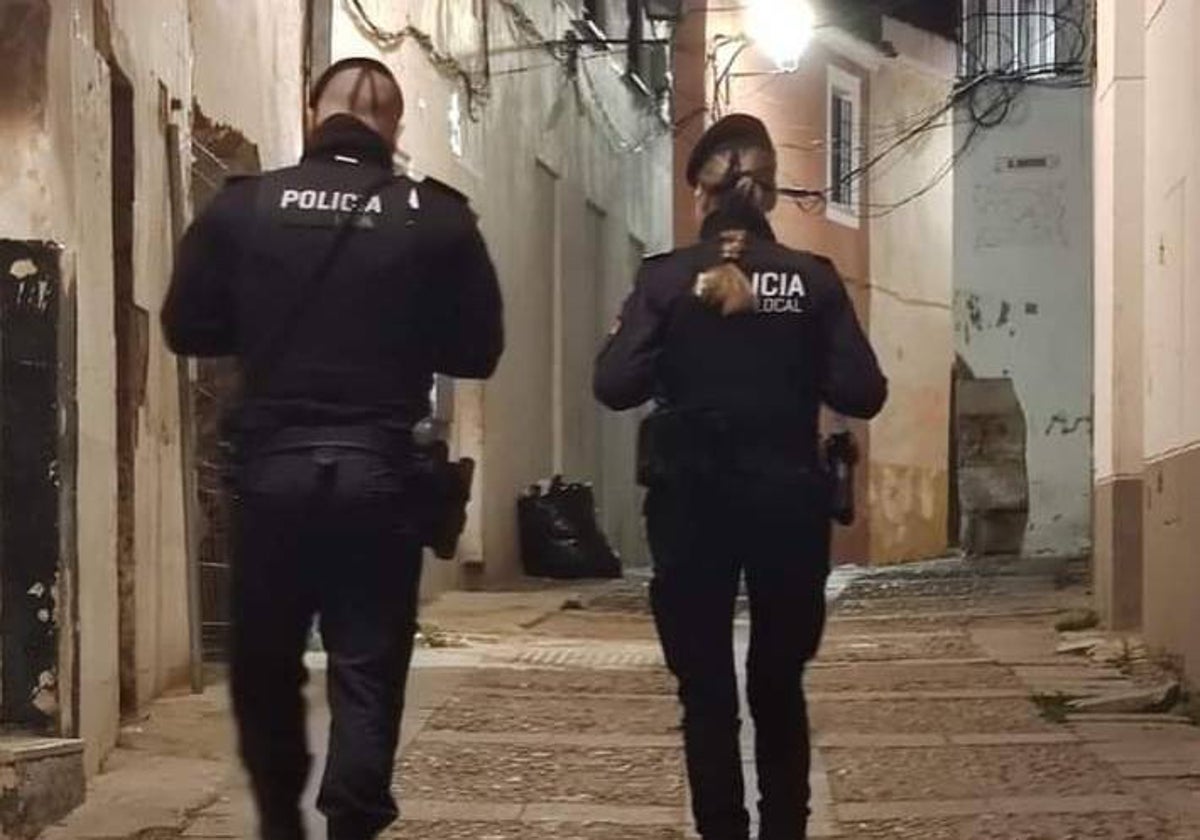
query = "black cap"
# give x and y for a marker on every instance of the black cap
(733, 130)
(362, 62)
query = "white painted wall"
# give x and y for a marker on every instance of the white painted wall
(1172, 328)
(1172, 210)
(1023, 295)
(1119, 199)
(531, 164)
(912, 251)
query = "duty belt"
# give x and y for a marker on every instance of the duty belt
(363, 438)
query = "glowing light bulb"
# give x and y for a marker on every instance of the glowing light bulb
(782, 29)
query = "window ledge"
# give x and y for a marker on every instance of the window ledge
(843, 215)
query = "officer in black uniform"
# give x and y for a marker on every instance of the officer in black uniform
(342, 288)
(739, 339)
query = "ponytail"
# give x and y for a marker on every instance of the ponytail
(725, 287)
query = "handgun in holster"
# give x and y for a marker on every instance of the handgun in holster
(841, 456)
(446, 490)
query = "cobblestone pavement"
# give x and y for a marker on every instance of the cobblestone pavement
(939, 706)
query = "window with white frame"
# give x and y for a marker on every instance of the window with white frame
(844, 146)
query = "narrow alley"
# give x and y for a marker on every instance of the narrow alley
(941, 702)
(635, 285)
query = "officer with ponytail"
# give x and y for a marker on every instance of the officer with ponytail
(738, 340)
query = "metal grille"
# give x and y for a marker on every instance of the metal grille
(841, 115)
(1009, 36)
(214, 388)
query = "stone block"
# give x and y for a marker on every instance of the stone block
(41, 781)
(1150, 699)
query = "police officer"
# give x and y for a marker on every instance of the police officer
(739, 339)
(342, 288)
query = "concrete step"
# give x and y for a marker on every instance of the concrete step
(41, 781)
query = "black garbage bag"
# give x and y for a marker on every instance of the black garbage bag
(559, 534)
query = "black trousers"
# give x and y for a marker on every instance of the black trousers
(322, 533)
(703, 538)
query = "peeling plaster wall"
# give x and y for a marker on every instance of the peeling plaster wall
(247, 59)
(531, 165)
(55, 184)
(1023, 295)
(911, 321)
(152, 45)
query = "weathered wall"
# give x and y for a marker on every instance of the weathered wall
(151, 44)
(247, 71)
(56, 185)
(1119, 185)
(1172, 338)
(1023, 294)
(911, 283)
(547, 177)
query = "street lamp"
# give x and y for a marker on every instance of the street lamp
(782, 29)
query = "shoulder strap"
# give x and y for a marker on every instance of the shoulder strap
(274, 348)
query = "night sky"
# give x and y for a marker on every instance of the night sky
(936, 15)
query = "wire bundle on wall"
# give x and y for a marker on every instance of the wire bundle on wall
(984, 95)
(478, 85)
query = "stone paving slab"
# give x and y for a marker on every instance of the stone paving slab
(160, 792)
(560, 812)
(898, 623)
(952, 648)
(974, 607)
(1029, 805)
(586, 740)
(989, 616)
(589, 655)
(905, 677)
(1158, 750)
(1160, 770)
(873, 696)
(992, 826)
(537, 694)
(591, 624)
(1143, 721)
(958, 716)
(820, 664)
(508, 773)
(577, 680)
(1015, 643)
(431, 810)
(458, 829)
(495, 712)
(866, 775)
(847, 740)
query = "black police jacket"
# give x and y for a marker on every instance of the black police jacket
(803, 345)
(413, 291)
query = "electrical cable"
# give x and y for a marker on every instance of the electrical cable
(986, 96)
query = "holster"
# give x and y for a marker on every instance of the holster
(439, 489)
(445, 491)
(841, 456)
